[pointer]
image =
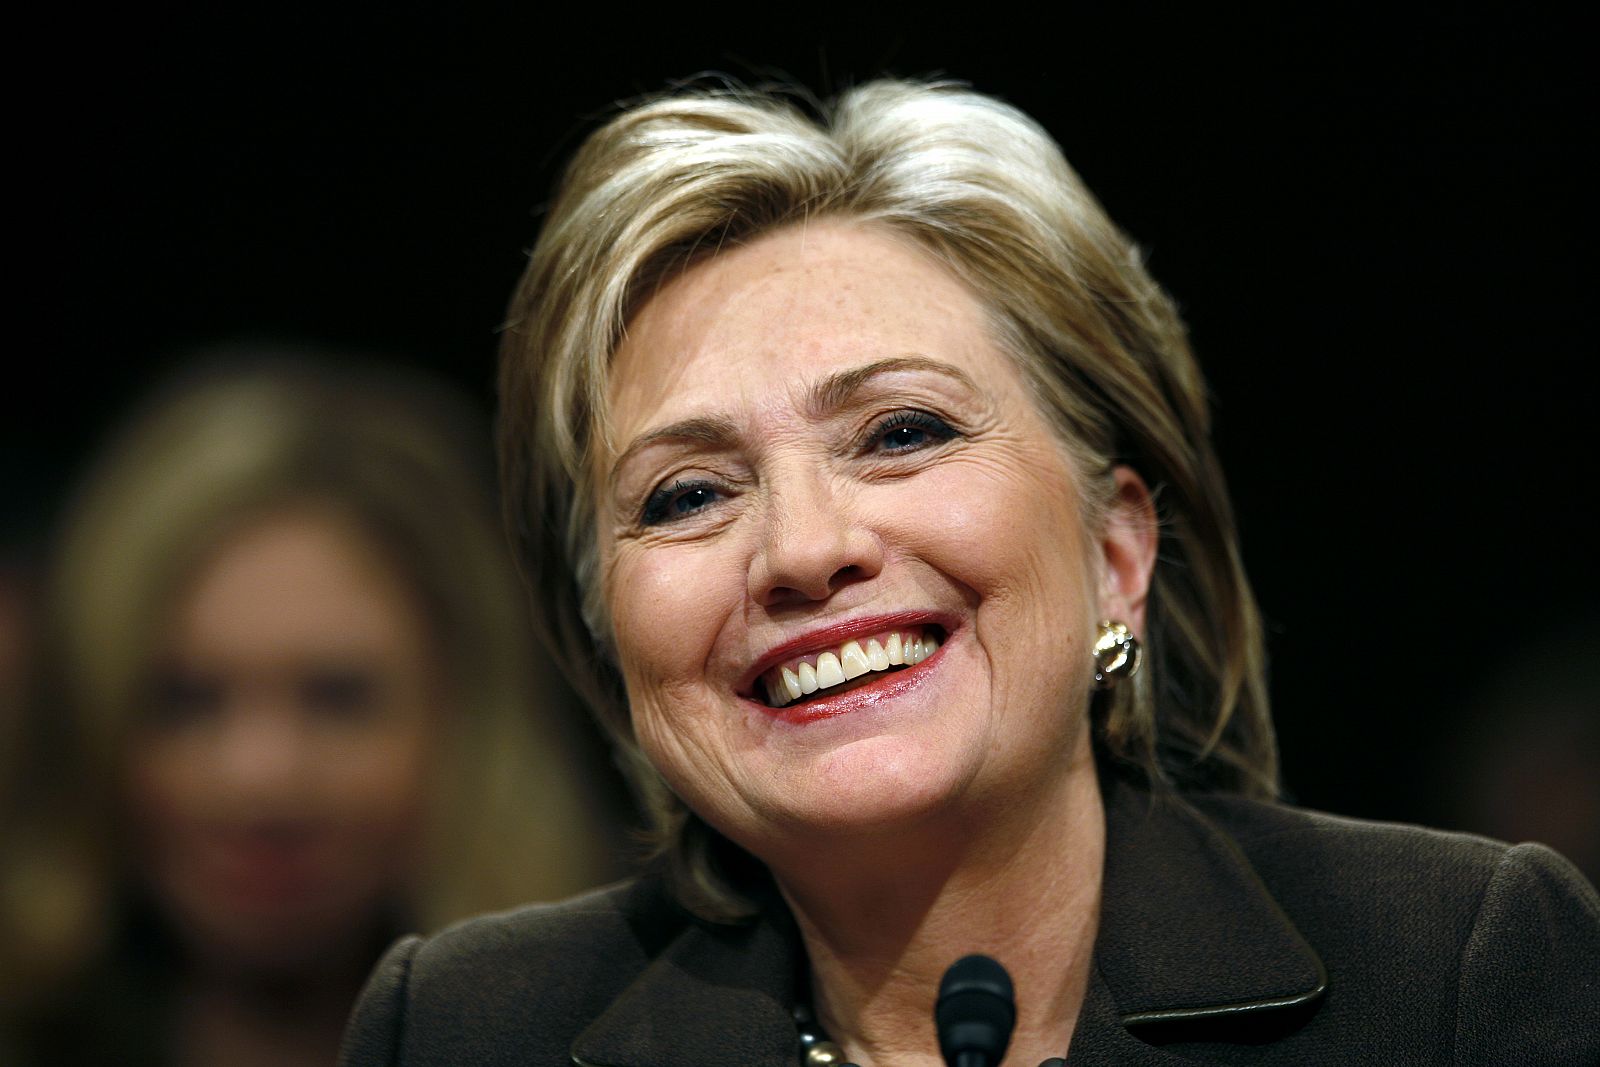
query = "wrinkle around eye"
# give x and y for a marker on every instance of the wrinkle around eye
(632, 527)
(682, 500)
(933, 431)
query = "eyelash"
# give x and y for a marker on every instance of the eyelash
(657, 509)
(937, 430)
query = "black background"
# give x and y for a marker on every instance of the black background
(1378, 229)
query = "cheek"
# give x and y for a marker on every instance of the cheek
(381, 783)
(1009, 536)
(677, 720)
(668, 604)
(168, 783)
(379, 774)
(1002, 530)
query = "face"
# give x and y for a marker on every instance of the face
(276, 783)
(841, 548)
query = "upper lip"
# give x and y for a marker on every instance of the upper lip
(834, 634)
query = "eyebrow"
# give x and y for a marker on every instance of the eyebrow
(837, 389)
(713, 431)
(824, 398)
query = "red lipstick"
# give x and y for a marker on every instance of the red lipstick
(834, 634)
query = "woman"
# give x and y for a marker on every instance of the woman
(857, 465)
(290, 717)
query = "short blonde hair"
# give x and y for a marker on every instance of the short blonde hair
(409, 469)
(984, 189)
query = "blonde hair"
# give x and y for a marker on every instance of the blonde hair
(984, 189)
(390, 455)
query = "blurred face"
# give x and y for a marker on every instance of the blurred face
(276, 785)
(842, 549)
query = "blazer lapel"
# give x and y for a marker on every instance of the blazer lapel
(1189, 937)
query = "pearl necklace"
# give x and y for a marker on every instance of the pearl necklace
(816, 1048)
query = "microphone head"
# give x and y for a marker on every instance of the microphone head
(975, 1011)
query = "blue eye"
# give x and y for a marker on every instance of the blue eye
(907, 431)
(678, 501)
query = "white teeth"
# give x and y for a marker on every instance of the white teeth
(853, 659)
(791, 682)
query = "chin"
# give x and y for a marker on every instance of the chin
(879, 785)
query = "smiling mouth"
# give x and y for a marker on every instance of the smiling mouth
(854, 663)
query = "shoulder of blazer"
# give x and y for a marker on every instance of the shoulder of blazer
(509, 988)
(1434, 940)
(1302, 854)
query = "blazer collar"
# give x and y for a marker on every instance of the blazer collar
(1189, 938)
(1189, 935)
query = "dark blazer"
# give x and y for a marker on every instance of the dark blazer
(1231, 932)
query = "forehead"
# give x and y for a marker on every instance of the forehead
(789, 308)
(302, 576)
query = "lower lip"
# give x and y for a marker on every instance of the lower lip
(890, 686)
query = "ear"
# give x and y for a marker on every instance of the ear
(1128, 551)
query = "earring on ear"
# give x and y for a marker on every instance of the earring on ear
(1116, 654)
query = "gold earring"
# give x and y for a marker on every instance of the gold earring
(1116, 654)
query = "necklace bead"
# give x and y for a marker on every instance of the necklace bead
(816, 1050)
(824, 1054)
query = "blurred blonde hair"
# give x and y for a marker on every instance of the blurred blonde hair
(981, 187)
(401, 462)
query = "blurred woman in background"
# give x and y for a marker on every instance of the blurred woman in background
(288, 711)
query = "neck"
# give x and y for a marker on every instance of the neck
(880, 928)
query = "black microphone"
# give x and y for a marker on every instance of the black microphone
(975, 1012)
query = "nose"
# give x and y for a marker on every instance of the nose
(260, 757)
(813, 542)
